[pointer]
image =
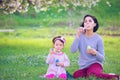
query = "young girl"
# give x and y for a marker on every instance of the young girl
(91, 50)
(57, 60)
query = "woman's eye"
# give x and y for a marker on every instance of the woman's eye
(90, 20)
(85, 21)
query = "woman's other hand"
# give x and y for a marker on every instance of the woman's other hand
(92, 51)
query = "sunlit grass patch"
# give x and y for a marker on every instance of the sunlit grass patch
(23, 58)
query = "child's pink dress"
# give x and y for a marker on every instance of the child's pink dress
(53, 69)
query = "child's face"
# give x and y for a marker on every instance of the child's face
(89, 23)
(58, 45)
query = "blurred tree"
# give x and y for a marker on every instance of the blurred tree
(12, 6)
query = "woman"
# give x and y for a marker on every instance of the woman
(91, 50)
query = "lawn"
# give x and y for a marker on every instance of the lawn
(23, 53)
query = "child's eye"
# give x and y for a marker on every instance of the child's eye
(60, 44)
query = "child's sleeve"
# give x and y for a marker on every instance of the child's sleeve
(50, 59)
(66, 61)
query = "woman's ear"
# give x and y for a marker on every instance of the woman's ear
(94, 24)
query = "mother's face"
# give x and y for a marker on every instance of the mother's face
(89, 23)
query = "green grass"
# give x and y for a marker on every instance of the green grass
(22, 57)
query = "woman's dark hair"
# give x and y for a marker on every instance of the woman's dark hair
(94, 19)
(53, 40)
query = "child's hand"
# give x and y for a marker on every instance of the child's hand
(80, 31)
(60, 64)
(51, 51)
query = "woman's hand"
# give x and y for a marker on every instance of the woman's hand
(92, 51)
(80, 31)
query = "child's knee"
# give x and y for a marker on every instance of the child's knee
(63, 76)
(50, 76)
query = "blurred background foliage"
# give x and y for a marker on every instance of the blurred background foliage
(57, 13)
(12, 6)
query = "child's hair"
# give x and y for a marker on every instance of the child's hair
(62, 39)
(94, 19)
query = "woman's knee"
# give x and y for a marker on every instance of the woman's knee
(79, 73)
